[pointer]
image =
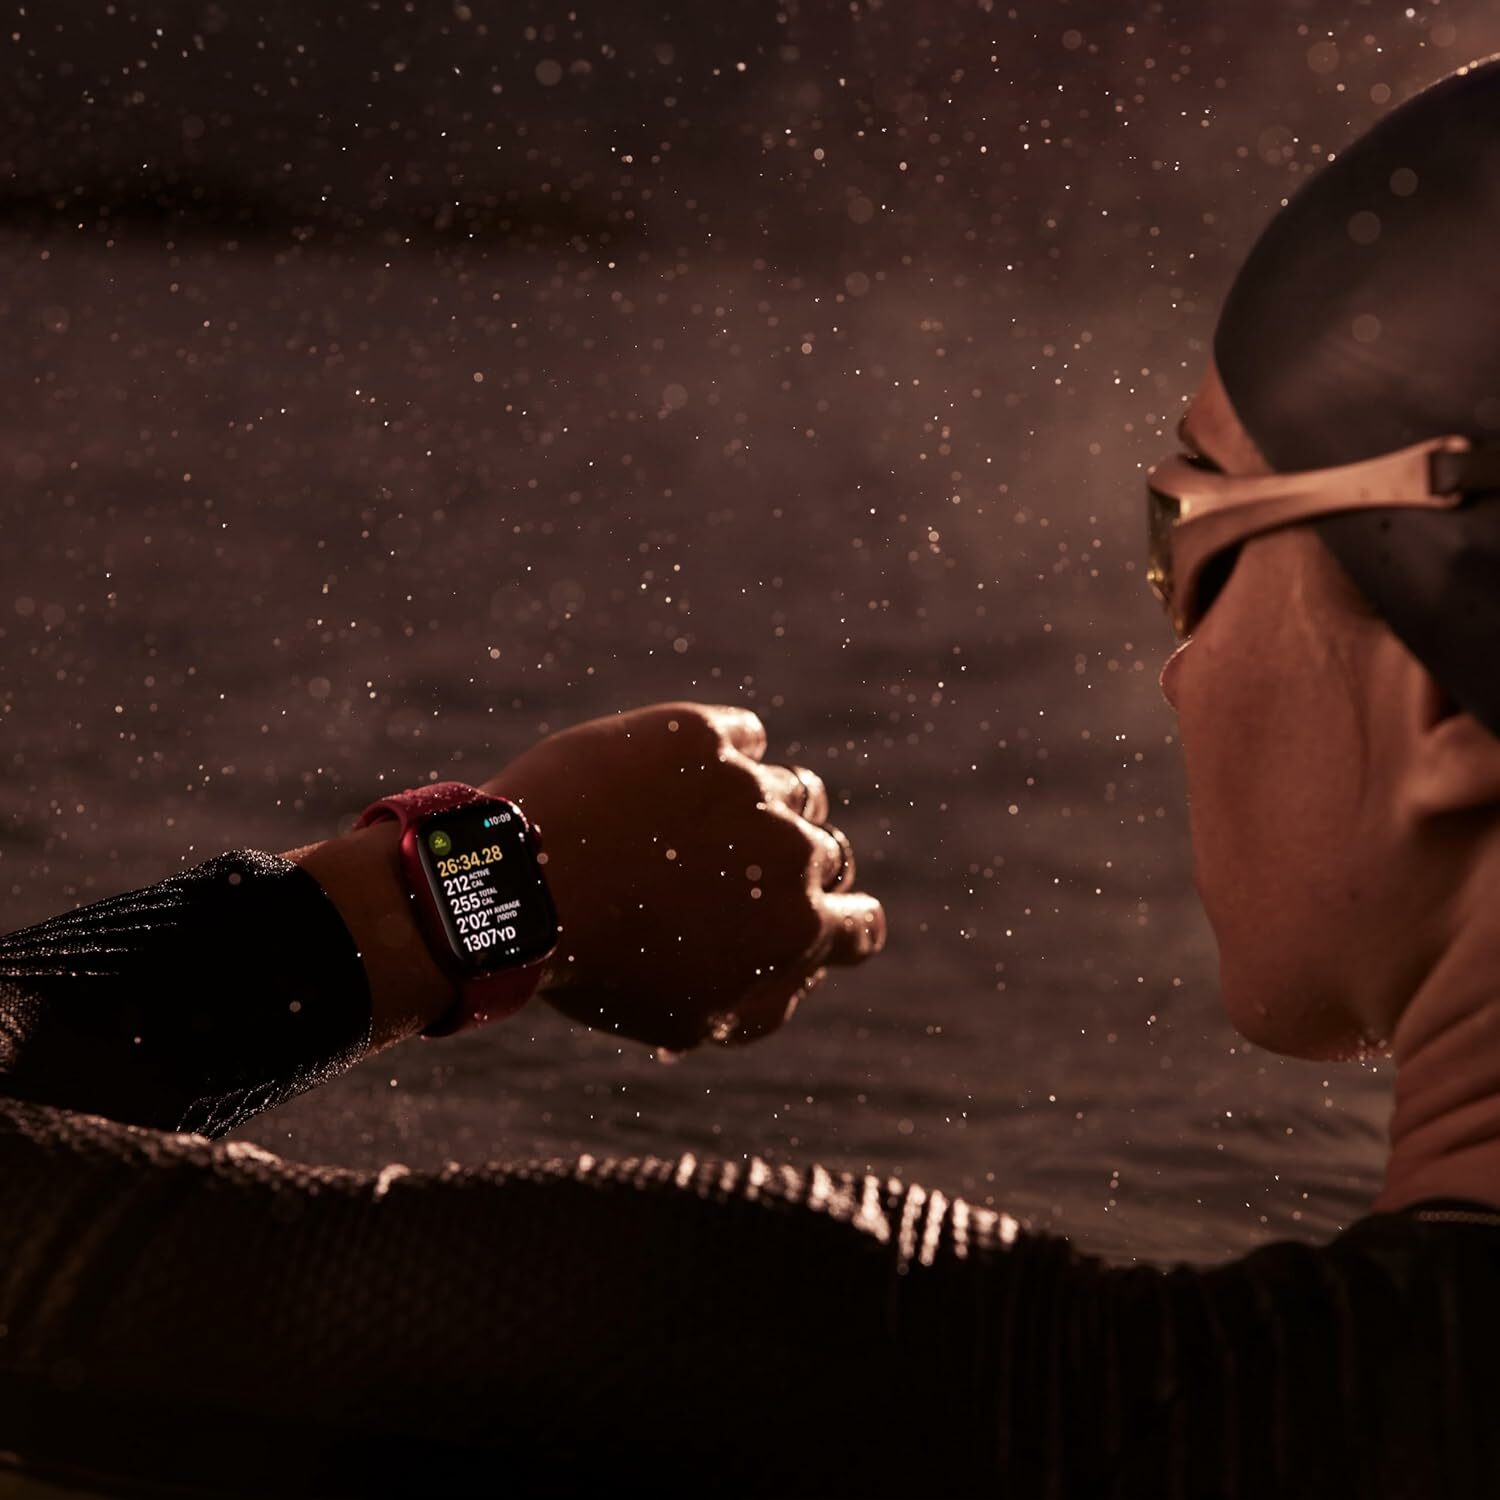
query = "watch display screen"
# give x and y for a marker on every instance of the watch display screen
(488, 886)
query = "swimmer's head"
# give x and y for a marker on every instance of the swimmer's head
(1338, 707)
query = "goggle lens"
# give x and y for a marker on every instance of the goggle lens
(1161, 516)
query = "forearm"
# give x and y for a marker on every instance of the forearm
(197, 1002)
(189, 1005)
(361, 874)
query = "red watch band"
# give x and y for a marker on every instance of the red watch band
(481, 997)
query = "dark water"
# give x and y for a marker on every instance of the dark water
(289, 510)
(348, 587)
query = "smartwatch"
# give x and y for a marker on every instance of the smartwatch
(482, 902)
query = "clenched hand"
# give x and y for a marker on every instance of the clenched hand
(701, 892)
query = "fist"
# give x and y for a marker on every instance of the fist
(700, 891)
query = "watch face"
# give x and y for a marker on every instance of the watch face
(489, 889)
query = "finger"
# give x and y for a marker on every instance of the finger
(832, 867)
(816, 805)
(768, 1004)
(795, 788)
(739, 727)
(854, 928)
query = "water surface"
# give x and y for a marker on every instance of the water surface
(269, 541)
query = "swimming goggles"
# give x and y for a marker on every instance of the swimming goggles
(1195, 512)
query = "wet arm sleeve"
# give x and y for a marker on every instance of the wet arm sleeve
(210, 1315)
(189, 1005)
(204, 1317)
(215, 1318)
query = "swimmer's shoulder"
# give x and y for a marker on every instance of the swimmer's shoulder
(1418, 1286)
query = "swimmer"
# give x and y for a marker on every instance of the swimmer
(203, 1317)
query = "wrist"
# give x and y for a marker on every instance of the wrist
(558, 972)
(362, 875)
(560, 969)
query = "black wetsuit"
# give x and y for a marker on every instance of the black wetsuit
(178, 1312)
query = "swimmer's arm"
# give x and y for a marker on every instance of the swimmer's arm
(672, 1328)
(194, 1003)
(721, 1327)
(361, 874)
(679, 1328)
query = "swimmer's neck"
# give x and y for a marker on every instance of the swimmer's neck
(1445, 1126)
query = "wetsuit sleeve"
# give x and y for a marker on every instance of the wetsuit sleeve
(225, 1322)
(189, 1005)
(207, 1314)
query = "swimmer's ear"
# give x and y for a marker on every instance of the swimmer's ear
(1455, 761)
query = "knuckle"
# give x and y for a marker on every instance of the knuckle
(754, 727)
(817, 798)
(831, 853)
(734, 721)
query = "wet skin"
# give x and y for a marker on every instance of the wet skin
(1345, 822)
(694, 883)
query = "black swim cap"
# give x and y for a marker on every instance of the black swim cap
(1367, 317)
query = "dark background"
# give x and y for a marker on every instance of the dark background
(387, 385)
